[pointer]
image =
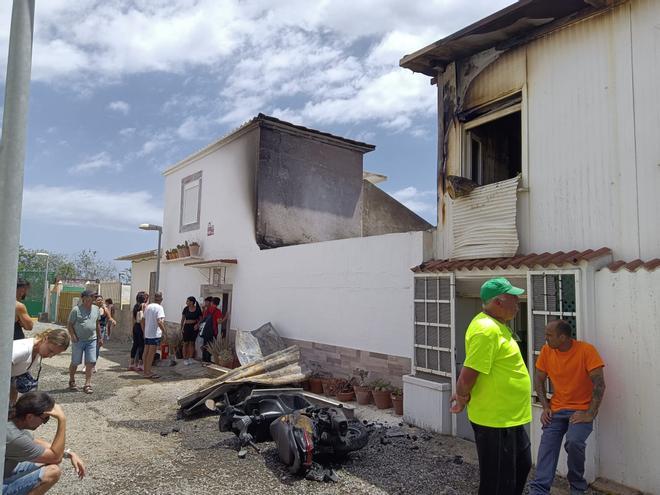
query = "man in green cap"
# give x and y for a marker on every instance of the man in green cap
(495, 386)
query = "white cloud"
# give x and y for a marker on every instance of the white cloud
(421, 202)
(194, 128)
(316, 62)
(90, 207)
(119, 106)
(101, 162)
(127, 132)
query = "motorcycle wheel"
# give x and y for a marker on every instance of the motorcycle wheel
(357, 438)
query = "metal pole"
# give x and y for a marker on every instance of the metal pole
(46, 291)
(12, 158)
(160, 233)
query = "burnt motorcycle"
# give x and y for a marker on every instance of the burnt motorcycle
(302, 432)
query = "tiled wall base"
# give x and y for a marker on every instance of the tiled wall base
(341, 361)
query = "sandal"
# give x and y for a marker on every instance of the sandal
(87, 389)
(72, 385)
(153, 376)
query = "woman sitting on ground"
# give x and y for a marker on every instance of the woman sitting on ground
(46, 344)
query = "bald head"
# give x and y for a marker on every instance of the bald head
(559, 334)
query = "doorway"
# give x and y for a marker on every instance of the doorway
(224, 293)
(468, 305)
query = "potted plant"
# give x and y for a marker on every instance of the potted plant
(397, 401)
(329, 385)
(194, 248)
(315, 385)
(345, 391)
(222, 352)
(382, 391)
(360, 387)
(168, 256)
(182, 250)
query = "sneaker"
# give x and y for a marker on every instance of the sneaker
(187, 362)
(132, 368)
(139, 368)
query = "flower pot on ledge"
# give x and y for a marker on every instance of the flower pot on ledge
(363, 395)
(397, 404)
(382, 398)
(194, 249)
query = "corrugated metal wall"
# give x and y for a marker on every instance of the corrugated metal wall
(628, 311)
(485, 222)
(591, 117)
(645, 22)
(581, 138)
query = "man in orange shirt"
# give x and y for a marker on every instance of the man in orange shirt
(576, 371)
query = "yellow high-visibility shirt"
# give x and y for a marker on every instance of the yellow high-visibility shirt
(502, 394)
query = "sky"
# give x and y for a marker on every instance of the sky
(121, 90)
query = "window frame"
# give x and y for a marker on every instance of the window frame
(196, 177)
(450, 351)
(532, 353)
(464, 134)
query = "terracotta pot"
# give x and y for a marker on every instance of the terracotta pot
(397, 404)
(174, 254)
(183, 252)
(363, 395)
(194, 250)
(346, 396)
(315, 386)
(328, 387)
(382, 398)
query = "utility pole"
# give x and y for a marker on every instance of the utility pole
(12, 159)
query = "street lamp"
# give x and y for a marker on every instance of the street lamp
(46, 291)
(151, 226)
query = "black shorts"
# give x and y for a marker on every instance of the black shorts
(189, 333)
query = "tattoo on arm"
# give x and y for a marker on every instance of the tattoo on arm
(598, 380)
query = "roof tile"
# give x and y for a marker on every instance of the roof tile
(558, 258)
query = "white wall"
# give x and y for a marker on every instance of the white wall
(628, 338)
(354, 293)
(140, 271)
(592, 111)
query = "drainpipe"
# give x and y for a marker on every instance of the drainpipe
(12, 158)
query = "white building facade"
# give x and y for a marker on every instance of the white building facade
(346, 302)
(552, 110)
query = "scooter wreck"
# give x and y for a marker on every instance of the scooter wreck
(305, 434)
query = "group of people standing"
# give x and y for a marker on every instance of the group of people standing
(148, 330)
(495, 386)
(197, 321)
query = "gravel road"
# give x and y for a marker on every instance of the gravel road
(128, 434)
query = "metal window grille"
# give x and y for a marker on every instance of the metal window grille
(553, 296)
(433, 325)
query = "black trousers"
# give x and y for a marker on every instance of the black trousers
(505, 459)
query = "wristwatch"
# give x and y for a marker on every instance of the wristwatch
(67, 454)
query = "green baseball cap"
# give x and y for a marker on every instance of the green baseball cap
(496, 286)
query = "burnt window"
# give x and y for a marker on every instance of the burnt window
(493, 149)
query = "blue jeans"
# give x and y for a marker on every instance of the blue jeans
(23, 479)
(575, 446)
(83, 348)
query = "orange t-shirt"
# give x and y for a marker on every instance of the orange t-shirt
(569, 373)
